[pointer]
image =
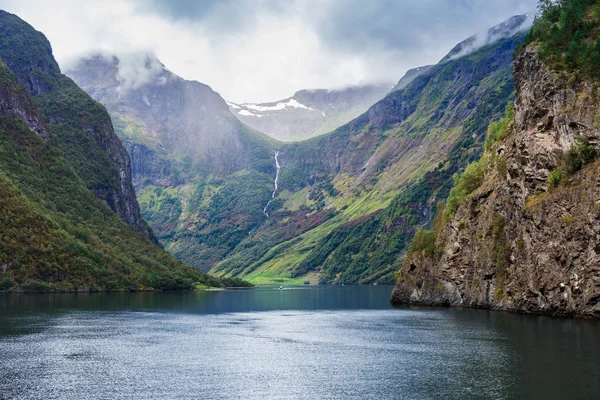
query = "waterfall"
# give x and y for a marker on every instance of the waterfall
(277, 168)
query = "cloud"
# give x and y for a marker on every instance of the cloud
(508, 28)
(137, 69)
(265, 50)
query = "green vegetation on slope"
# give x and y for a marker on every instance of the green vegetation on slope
(464, 184)
(567, 34)
(57, 232)
(373, 212)
(57, 236)
(214, 214)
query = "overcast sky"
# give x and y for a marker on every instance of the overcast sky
(265, 50)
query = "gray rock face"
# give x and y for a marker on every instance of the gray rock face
(515, 244)
(163, 119)
(14, 104)
(147, 166)
(309, 113)
(122, 199)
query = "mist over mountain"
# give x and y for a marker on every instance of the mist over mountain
(508, 28)
(309, 113)
(363, 190)
(202, 177)
(159, 115)
(205, 180)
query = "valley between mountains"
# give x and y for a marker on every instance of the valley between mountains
(347, 202)
(470, 182)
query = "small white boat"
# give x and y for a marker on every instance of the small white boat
(281, 287)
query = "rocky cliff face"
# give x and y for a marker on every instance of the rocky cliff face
(202, 177)
(69, 220)
(167, 121)
(351, 200)
(515, 244)
(14, 104)
(70, 114)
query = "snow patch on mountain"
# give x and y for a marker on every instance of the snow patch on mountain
(248, 113)
(292, 103)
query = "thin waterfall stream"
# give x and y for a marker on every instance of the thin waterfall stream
(277, 167)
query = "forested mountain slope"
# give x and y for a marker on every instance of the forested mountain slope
(202, 177)
(69, 219)
(347, 202)
(350, 201)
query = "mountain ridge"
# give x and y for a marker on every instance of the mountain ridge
(309, 112)
(367, 185)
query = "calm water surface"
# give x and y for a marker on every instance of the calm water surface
(307, 343)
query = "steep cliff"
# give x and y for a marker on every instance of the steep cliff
(69, 112)
(517, 242)
(169, 123)
(202, 177)
(69, 220)
(348, 201)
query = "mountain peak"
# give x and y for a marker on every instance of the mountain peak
(504, 30)
(309, 112)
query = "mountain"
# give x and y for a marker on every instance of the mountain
(350, 201)
(309, 113)
(168, 124)
(70, 219)
(410, 76)
(346, 203)
(202, 177)
(520, 229)
(512, 26)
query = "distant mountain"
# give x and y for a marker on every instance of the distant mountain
(69, 218)
(202, 177)
(410, 76)
(505, 30)
(168, 124)
(309, 113)
(350, 201)
(346, 203)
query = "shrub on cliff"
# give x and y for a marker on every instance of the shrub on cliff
(499, 130)
(423, 242)
(465, 184)
(566, 32)
(579, 155)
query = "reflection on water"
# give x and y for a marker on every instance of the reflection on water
(332, 342)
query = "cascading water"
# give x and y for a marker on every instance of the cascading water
(277, 167)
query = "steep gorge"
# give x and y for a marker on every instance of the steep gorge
(352, 199)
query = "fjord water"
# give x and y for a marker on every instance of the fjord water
(307, 343)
